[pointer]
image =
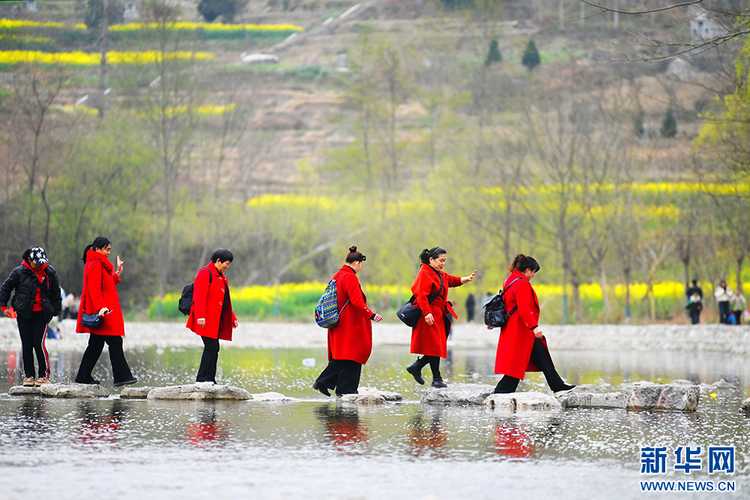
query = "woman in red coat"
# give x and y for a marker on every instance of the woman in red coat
(350, 341)
(522, 347)
(211, 316)
(430, 336)
(100, 297)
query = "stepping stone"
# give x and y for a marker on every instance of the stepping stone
(362, 399)
(745, 406)
(135, 392)
(73, 390)
(387, 395)
(664, 397)
(271, 396)
(463, 394)
(577, 399)
(522, 401)
(20, 390)
(199, 391)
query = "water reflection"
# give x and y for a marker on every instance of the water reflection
(31, 425)
(513, 440)
(343, 427)
(427, 436)
(96, 428)
(206, 429)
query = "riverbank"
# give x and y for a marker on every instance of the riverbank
(688, 338)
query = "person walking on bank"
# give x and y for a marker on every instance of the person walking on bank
(723, 295)
(211, 316)
(470, 307)
(100, 297)
(429, 336)
(350, 341)
(738, 305)
(522, 347)
(694, 302)
(36, 301)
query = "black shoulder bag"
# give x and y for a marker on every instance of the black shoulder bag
(410, 314)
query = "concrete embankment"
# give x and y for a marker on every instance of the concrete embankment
(689, 338)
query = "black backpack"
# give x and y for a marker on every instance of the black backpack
(495, 314)
(186, 299)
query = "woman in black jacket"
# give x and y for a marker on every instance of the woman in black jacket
(36, 301)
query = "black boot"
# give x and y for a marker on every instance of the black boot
(438, 383)
(415, 369)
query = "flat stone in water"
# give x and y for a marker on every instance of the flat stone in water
(135, 392)
(745, 406)
(367, 399)
(24, 390)
(199, 391)
(594, 400)
(664, 397)
(387, 395)
(272, 396)
(522, 401)
(465, 394)
(73, 390)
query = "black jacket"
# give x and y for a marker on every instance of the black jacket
(25, 283)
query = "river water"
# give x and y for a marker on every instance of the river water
(315, 448)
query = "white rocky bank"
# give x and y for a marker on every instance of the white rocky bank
(636, 338)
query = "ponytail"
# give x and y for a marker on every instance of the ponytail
(522, 262)
(99, 242)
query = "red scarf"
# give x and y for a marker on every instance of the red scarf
(41, 275)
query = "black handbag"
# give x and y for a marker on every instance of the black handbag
(495, 312)
(92, 321)
(409, 314)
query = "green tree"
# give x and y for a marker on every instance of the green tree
(95, 13)
(493, 55)
(530, 57)
(669, 125)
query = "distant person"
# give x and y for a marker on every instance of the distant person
(350, 341)
(694, 302)
(36, 301)
(70, 306)
(723, 295)
(211, 316)
(100, 297)
(522, 347)
(471, 305)
(430, 335)
(738, 305)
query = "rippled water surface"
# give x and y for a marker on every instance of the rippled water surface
(316, 448)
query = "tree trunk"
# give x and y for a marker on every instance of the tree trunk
(740, 260)
(103, 63)
(626, 272)
(605, 296)
(583, 14)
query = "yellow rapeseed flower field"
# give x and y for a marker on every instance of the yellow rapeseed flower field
(87, 59)
(206, 27)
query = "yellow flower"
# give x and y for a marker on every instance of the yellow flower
(86, 59)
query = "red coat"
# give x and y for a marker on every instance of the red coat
(351, 338)
(430, 340)
(208, 303)
(99, 291)
(517, 338)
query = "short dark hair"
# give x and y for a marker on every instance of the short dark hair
(695, 282)
(522, 262)
(431, 253)
(222, 255)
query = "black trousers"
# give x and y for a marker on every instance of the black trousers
(33, 331)
(541, 358)
(120, 369)
(695, 317)
(209, 360)
(434, 362)
(341, 374)
(724, 312)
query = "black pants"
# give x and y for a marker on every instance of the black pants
(33, 331)
(738, 316)
(120, 369)
(209, 360)
(695, 317)
(434, 362)
(541, 358)
(341, 374)
(724, 312)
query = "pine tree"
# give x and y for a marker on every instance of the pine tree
(494, 54)
(530, 57)
(669, 125)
